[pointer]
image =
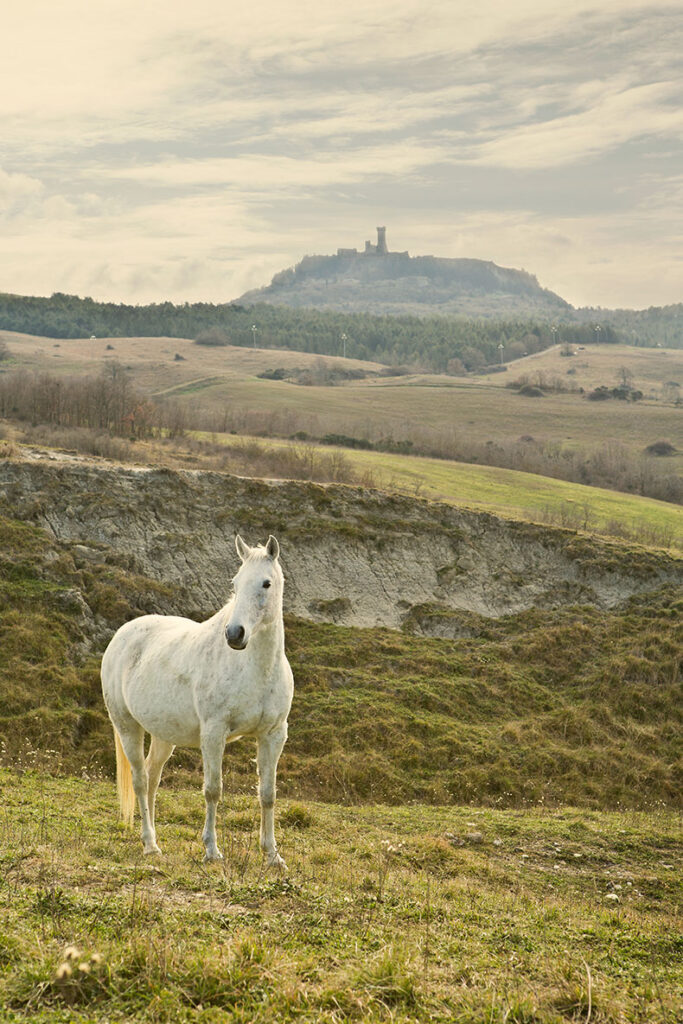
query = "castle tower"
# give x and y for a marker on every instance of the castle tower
(382, 242)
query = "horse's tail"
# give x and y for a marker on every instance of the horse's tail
(124, 783)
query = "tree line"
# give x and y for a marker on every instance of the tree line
(432, 343)
(107, 401)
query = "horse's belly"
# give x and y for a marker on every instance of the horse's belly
(168, 715)
(243, 724)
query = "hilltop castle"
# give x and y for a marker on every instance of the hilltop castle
(380, 249)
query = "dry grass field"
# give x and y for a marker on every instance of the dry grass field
(152, 362)
(424, 408)
(594, 365)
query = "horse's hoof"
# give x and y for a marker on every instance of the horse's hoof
(213, 858)
(150, 851)
(276, 861)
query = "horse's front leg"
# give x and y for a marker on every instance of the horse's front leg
(213, 745)
(269, 748)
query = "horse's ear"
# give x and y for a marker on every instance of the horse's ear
(272, 547)
(243, 550)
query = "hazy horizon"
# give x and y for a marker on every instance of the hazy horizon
(188, 152)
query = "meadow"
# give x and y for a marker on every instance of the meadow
(402, 914)
(221, 385)
(505, 492)
(482, 830)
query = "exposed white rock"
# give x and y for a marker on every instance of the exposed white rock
(351, 556)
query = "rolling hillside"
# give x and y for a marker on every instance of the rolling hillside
(478, 811)
(221, 389)
(531, 665)
(510, 493)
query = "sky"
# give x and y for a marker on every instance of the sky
(188, 151)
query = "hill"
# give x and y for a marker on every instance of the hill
(531, 664)
(484, 901)
(592, 366)
(378, 281)
(383, 282)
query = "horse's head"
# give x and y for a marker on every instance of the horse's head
(258, 591)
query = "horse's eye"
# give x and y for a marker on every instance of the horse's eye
(266, 584)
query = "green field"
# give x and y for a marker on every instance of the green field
(481, 830)
(508, 492)
(387, 914)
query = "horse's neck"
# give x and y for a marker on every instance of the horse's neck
(271, 636)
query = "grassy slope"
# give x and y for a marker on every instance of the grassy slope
(395, 913)
(402, 407)
(387, 914)
(601, 364)
(508, 492)
(580, 705)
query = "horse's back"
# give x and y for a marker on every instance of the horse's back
(146, 675)
(134, 637)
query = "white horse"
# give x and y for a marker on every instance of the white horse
(203, 684)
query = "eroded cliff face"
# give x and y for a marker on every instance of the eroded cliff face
(351, 556)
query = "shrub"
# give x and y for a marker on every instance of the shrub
(279, 374)
(661, 448)
(344, 441)
(296, 816)
(213, 336)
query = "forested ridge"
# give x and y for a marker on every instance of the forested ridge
(429, 342)
(396, 284)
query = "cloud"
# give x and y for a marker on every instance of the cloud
(175, 150)
(610, 121)
(16, 189)
(278, 174)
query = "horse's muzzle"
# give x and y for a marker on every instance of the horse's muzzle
(236, 637)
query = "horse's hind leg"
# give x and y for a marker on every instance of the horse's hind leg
(132, 739)
(159, 753)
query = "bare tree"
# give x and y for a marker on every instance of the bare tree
(625, 377)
